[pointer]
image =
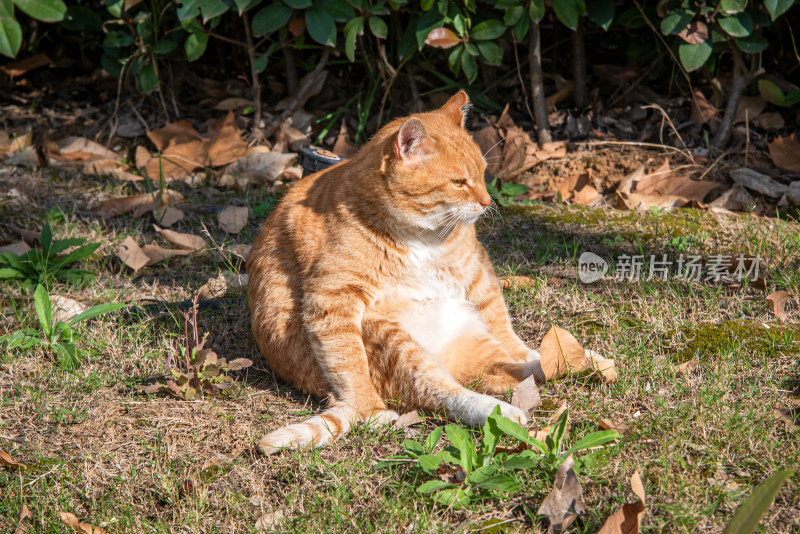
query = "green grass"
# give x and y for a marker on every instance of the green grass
(703, 434)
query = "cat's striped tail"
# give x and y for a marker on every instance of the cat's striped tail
(319, 430)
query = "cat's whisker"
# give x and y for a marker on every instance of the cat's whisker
(493, 147)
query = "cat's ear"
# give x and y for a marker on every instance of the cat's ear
(409, 145)
(457, 108)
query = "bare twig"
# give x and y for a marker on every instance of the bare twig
(671, 125)
(301, 96)
(537, 84)
(741, 77)
(579, 66)
(254, 75)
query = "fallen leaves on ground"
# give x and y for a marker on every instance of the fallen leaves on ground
(137, 257)
(563, 505)
(661, 188)
(167, 216)
(760, 183)
(785, 152)
(267, 521)
(65, 308)
(260, 165)
(181, 239)
(735, 199)
(233, 219)
(220, 285)
(777, 303)
(627, 519)
(25, 516)
(561, 353)
(620, 428)
(526, 396)
(790, 417)
(182, 149)
(7, 461)
(80, 528)
(138, 204)
(19, 248)
(15, 143)
(406, 420)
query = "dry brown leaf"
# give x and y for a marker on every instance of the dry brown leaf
(517, 281)
(750, 107)
(790, 417)
(628, 184)
(683, 187)
(606, 367)
(227, 144)
(167, 216)
(19, 68)
(181, 130)
(218, 286)
(180, 239)
(696, 32)
(560, 353)
(240, 249)
(343, 146)
(233, 219)
(22, 526)
(627, 519)
(563, 505)
(156, 254)
(621, 428)
(82, 149)
(142, 157)
(777, 303)
(29, 236)
(406, 420)
(735, 199)
(540, 434)
(102, 167)
(702, 109)
(80, 528)
(526, 395)
(14, 143)
(65, 308)
(790, 198)
(769, 121)
(6, 460)
(27, 157)
(19, 248)
(233, 103)
(177, 160)
(586, 196)
(143, 203)
(267, 521)
(785, 152)
(131, 254)
(257, 167)
(515, 151)
(758, 182)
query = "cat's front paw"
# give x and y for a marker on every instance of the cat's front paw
(506, 410)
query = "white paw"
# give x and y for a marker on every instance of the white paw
(533, 356)
(506, 410)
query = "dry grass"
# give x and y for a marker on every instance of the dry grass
(704, 434)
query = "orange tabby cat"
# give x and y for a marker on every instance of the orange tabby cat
(368, 284)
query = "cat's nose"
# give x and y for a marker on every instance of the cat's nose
(485, 201)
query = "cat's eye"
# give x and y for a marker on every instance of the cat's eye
(459, 182)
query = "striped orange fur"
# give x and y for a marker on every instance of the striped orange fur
(368, 286)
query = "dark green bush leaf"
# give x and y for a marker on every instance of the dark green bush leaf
(195, 45)
(676, 21)
(469, 66)
(321, 26)
(164, 47)
(777, 8)
(7, 9)
(189, 9)
(536, 10)
(214, 8)
(351, 30)
(270, 18)
(694, 56)
(378, 27)
(44, 10)
(752, 44)
(340, 10)
(147, 80)
(81, 19)
(732, 6)
(488, 29)
(521, 28)
(10, 37)
(738, 25)
(513, 15)
(568, 11)
(774, 95)
(298, 4)
(491, 52)
(454, 60)
(601, 12)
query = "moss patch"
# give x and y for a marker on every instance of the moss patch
(708, 340)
